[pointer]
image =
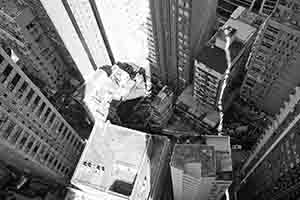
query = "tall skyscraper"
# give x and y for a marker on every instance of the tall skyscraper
(272, 169)
(35, 138)
(201, 171)
(211, 63)
(179, 30)
(49, 66)
(160, 36)
(273, 70)
(120, 163)
(118, 27)
(28, 31)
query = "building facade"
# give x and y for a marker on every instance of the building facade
(39, 141)
(179, 36)
(48, 65)
(29, 32)
(160, 36)
(273, 66)
(201, 171)
(211, 63)
(272, 169)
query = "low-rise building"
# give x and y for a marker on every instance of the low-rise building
(162, 107)
(189, 108)
(202, 171)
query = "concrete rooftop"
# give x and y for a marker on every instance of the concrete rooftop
(185, 154)
(213, 157)
(113, 156)
(214, 57)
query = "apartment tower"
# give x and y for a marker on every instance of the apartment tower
(273, 70)
(211, 63)
(160, 36)
(35, 138)
(272, 171)
(180, 29)
(29, 33)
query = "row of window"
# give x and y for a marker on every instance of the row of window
(204, 99)
(250, 82)
(27, 142)
(256, 69)
(182, 37)
(183, 26)
(36, 32)
(208, 75)
(273, 29)
(205, 77)
(33, 100)
(204, 89)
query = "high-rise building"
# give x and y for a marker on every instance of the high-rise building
(202, 170)
(273, 70)
(120, 163)
(226, 7)
(34, 137)
(272, 170)
(28, 31)
(160, 36)
(48, 65)
(211, 63)
(178, 32)
(62, 34)
(108, 31)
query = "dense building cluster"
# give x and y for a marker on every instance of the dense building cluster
(120, 99)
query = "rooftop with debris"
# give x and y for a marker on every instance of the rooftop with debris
(118, 82)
